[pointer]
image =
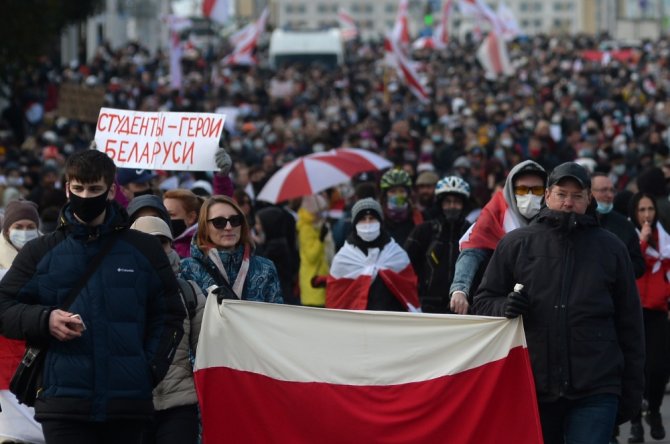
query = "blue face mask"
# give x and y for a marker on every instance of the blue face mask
(604, 208)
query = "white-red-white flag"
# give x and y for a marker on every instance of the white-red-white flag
(394, 56)
(349, 283)
(400, 31)
(493, 56)
(175, 26)
(509, 26)
(245, 42)
(341, 376)
(216, 10)
(441, 32)
(480, 12)
(348, 28)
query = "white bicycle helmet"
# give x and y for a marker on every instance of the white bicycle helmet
(452, 184)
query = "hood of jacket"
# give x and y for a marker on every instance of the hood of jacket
(525, 167)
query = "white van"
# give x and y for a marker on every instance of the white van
(291, 47)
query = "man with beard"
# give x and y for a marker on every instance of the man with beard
(433, 246)
(425, 193)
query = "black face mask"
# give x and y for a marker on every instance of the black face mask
(452, 215)
(88, 208)
(178, 227)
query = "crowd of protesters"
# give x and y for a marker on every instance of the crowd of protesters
(451, 157)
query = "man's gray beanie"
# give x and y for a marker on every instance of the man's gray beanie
(366, 206)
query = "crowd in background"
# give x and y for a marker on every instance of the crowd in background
(612, 118)
(557, 107)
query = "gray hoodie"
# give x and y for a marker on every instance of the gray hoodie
(527, 166)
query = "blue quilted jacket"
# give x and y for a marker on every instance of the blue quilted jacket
(130, 305)
(262, 282)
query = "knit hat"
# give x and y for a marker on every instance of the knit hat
(147, 201)
(17, 210)
(152, 225)
(366, 206)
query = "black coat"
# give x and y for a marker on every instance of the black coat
(584, 326)
(624, 230)
(433, 249)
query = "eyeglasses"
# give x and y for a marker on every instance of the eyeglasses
(522, 190)
(603, 190)
(562, 196)
(221, 222)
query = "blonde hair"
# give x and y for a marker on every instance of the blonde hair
(203, 241)
(190, 201)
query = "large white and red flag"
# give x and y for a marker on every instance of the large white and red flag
(394, 57)
(441, 32)
(245, 42)
(348, 28)
(216, 10)
(268, 373)
(400, 31)
(493, 56)
(509, 26)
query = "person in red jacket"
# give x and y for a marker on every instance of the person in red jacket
(654, 291)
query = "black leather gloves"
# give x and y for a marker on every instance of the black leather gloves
(517, 303)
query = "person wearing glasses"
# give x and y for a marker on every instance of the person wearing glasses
(510, 208)
(222, 254)
(573, 283)
(603, 192)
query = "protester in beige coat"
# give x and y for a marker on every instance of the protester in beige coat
(175, 400)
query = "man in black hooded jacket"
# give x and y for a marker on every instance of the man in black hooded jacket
(581, 312)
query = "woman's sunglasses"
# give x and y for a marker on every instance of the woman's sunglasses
(221, 222)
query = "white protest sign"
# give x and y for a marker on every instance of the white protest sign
(159, 140)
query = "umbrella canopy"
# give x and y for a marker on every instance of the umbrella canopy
(424, 43)
(317, 172)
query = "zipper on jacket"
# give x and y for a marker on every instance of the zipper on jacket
(562, 324)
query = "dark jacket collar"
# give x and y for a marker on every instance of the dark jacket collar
(564, 221)
(116, 219)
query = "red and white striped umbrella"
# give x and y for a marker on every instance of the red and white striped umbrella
(424, 43)
(317, 172)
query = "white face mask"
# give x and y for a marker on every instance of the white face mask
(528, 205)
(19, 238)
(368, 231)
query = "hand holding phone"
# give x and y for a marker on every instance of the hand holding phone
(77, 326)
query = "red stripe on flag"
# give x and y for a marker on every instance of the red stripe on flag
(494, 53)
(11, 353)
(403, 285)
(482, 405)
(207, 6)
(349, 294)
(488, 229)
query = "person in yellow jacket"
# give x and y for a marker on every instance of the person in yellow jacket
(316, 250)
